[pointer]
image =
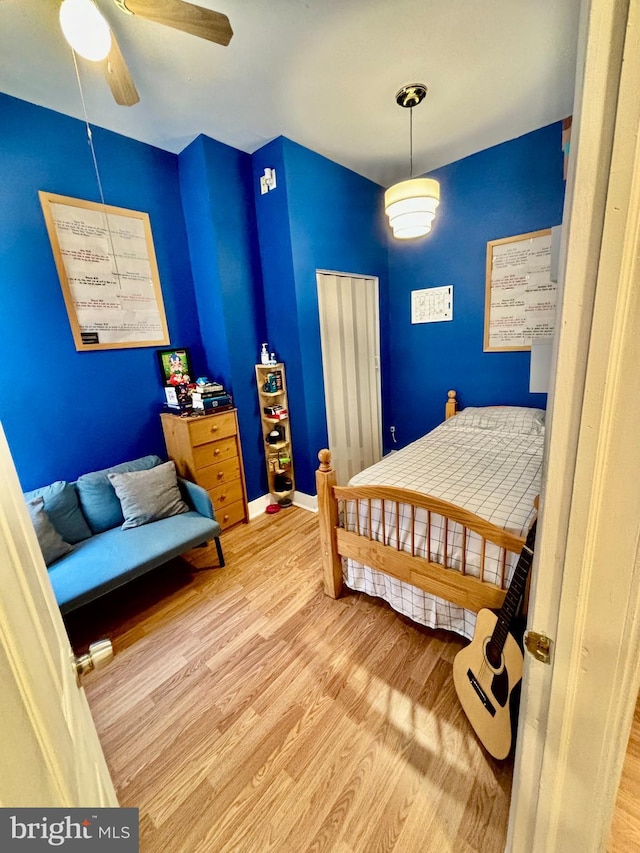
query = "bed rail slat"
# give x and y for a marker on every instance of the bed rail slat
(413, 531)
(397, 526)
(464, 550)
(445, 543)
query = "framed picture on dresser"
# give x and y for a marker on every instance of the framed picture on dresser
(175, 366)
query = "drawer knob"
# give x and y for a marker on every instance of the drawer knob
(225, 517)
(220, 474)
(216, 452)
(214, 429)
(222, 497)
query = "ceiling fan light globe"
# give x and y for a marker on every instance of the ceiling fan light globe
(85, 29)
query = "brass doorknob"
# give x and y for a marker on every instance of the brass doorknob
(100, 654)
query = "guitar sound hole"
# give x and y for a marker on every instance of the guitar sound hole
(494, 655)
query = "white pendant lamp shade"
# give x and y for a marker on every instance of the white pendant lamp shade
(85, 29)
(411, 207)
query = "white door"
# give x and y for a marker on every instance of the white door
(576, 712)
(350, 336)
(50, 751)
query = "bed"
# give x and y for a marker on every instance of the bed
(436, 528)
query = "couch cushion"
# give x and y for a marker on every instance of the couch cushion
(51, 543)
(61, 505)
(111, 559)
(147, 496)
(98, 499)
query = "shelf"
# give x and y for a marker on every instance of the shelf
(275, 425)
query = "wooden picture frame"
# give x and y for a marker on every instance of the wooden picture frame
(520, 298)
(108, 272)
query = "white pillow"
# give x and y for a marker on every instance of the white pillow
(514, 419)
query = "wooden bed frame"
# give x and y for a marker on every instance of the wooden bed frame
(452, 584)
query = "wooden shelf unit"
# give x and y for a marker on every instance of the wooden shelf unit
(206, 450)
(278, 456)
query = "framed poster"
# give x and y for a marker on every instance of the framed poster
(108, 273)
(520, 298)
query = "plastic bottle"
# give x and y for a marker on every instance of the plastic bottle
(264, 354)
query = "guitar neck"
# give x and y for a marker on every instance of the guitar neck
(514, 594)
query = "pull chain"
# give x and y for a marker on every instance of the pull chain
(95, 166)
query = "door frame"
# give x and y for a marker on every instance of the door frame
(576, 714)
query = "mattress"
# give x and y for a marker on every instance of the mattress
(489, 465)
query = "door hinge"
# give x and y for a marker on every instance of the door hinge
(538, 645)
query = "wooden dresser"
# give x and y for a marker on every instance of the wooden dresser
(206, 450)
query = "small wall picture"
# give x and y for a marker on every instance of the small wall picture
(175, 366)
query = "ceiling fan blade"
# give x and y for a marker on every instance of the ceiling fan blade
(204, 23)
(118, 77)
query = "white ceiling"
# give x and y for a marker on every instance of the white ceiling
(321, 72)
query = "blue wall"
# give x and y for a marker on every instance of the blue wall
(93, 409)
(320, 216)
(66, 412)
(506, 190)
(223, 242)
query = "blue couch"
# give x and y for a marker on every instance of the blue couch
(88, 515)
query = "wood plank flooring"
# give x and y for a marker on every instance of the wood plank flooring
(625, 828)
(246, 711)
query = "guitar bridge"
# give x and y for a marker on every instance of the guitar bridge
(481, 694)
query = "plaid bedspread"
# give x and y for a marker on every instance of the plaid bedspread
(494, 474)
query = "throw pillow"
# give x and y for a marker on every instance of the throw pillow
(98, 500)
(51, 543)
(147, 496)
(61, 505)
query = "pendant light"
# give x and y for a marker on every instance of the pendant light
(411, 205)
(85, 29)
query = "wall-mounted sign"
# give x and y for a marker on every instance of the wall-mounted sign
(432, 305)
(520, 300)
(108, 273)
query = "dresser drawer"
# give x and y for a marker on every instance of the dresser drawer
(212, 428)
(231, 514)
(215, 451)
(219, 474)
(226, 494)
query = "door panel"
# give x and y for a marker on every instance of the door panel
(349, 329)
(47, 736)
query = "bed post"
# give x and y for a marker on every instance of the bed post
(328, 518)
(451, 405)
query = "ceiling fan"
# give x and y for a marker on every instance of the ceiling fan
(80, 19)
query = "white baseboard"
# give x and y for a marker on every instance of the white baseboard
(258, 506)
(305, 501)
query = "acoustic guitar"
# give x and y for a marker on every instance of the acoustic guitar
(487, 673)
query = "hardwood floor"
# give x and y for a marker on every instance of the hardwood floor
(625, 828)
(246, 711)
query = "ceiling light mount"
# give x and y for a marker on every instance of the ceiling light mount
(411, 205)
(412, 95)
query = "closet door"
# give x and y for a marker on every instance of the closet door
(350, 335)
